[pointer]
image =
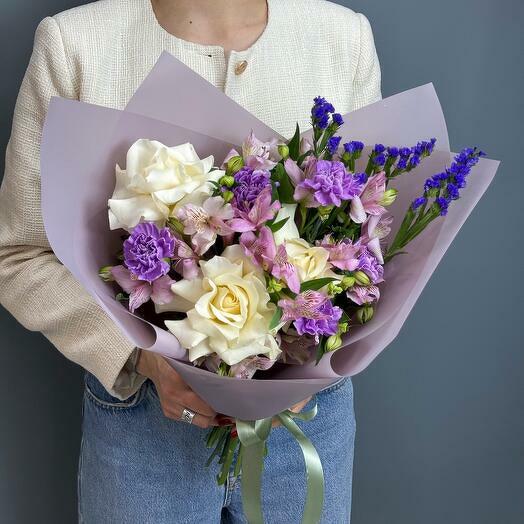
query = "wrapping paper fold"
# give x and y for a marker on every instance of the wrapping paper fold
(82, 143)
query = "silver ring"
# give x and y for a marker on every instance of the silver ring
(187, 416)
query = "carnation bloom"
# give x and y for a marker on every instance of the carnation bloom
(141, 291)
(228, 310)
(369, 264)
(327, 183)
(262, 211)
(157, 179)
(368, 202)
(312, 313)
(249, 184)
(146, 251)
(204, 223)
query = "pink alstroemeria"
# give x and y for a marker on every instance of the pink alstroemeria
(258, 154)
(374, 229)
(368, 203)
(140, 291)
(307, 304)
(262, 211)
(261, 248)
(343, 254)
(204, 223)
(249, 366)
(185, 261)
(363, 294)
(284, 270)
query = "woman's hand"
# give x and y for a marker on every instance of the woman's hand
(174, 393)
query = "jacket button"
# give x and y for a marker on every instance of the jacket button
(240, 67)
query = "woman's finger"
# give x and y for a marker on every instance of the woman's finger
(174, 412)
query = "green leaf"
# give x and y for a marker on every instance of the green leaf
(294, 145)
(275, 320)
(285, 189)
(315, 284)
(276, 226)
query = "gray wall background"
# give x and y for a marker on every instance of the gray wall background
(435, 443)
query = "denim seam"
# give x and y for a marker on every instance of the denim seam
(139, 396)
(79, 483)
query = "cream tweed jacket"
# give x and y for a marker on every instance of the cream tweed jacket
(99, 53)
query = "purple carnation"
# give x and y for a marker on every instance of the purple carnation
(146, 249)
(327, 324)
(249, 184)
(330, 183)
(369, 264)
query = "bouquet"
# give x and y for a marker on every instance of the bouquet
(272, 272)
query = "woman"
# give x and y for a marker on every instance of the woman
(139, 463)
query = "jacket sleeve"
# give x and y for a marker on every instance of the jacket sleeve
(367, 80)
(35, 287)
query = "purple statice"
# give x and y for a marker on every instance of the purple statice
(369, 264)
(328, 183)
(337, 119)
(418, 202)
(393, 153)
(414, 161)
(332, 144)
(249, 183)
(353, 147)
(320, 112)
(443, 204)
(445, 186)
(379, 149)
(379, 160)
(146, 249)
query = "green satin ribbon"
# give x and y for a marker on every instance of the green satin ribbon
(253, 436)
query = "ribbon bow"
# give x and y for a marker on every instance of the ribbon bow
(253, 435)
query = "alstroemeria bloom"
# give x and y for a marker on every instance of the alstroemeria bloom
(312, 262)
(343, 254)
(185, 260)
(312, 314)
(284, 270)
(368, 202)
(258, 154)
(374, 229)
(261, 248)
(157, 178)
(363, 294)
(262, 211)
(228, 310)
(140, 291)
(204, 223)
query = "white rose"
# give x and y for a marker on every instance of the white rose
(311, 261)
(228, 310)
(158, 179)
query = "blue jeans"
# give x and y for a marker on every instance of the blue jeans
(137, 466)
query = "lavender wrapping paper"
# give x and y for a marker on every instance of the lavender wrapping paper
(81, 144)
